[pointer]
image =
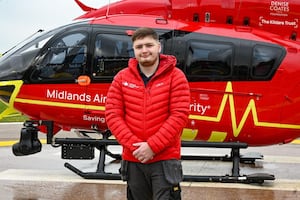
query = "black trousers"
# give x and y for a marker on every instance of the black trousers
(148, 182)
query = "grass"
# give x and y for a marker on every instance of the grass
(15, 117)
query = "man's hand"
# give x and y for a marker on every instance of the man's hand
(143, 152)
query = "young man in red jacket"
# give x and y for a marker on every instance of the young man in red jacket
(146, 109)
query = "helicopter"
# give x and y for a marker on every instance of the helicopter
(240, 58)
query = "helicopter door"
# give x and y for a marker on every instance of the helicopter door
(111, 53)
(60, 64)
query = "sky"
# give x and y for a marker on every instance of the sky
(21, 18)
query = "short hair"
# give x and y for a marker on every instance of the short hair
(140, 33)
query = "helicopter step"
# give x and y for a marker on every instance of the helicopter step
(247, 158)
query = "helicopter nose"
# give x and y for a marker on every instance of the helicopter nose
(12, 68)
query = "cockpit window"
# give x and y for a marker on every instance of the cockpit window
(16, 61)
(64, 59)
(111, 54)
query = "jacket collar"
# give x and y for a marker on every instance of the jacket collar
(166, 63)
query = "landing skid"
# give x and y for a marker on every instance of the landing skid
(235, 158)
(83, 148)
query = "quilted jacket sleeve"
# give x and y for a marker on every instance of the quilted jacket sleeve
(170, 132)
(114, 113)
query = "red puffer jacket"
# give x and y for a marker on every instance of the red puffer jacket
(155, 113)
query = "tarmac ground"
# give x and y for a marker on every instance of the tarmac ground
(42, 176)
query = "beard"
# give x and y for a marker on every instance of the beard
(149, 61)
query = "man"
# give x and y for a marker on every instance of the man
(146, 109)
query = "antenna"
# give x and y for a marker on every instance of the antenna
(39, 31)
(107, 10)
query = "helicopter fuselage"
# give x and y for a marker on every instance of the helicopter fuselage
(244, 81)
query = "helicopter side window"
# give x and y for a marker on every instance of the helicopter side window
(111, 54)
(65, 58)
(209, 59)
(264, 59)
